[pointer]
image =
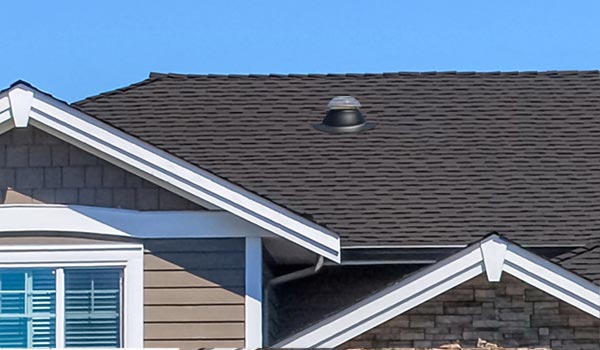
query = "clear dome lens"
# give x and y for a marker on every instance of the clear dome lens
(344, 102)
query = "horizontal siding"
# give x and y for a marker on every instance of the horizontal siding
(194, 261)
(194, 278)
(194, 344)
(194, 313)
(194, 293)
(194, 245)
(192, 296)
(193, 331)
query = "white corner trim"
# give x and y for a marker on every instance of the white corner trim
(174, 174)
(125, 223)
(442, 276)
(253, 298)
(493, 251)
(20, 105)
(128, 256)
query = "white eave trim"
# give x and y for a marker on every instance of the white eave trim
(35, 218)
(493, 253)
(65, 122)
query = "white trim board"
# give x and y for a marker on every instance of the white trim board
(69, 124)
(253, 299)
(125, 223)
(492, 255)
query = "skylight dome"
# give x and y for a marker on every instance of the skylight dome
(343, 102)
(344, 116)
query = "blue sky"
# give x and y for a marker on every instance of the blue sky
(74, 49)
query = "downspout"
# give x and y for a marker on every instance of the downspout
(292, 276)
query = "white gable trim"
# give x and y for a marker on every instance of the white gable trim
(166, 170)
(35, 218)
(20, 106)
(492, 253)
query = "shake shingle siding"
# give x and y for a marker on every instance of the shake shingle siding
(36, 167)
(454, 157)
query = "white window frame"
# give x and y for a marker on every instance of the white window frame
(127, 256)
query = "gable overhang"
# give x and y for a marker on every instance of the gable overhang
(492, 256)
(22, 105)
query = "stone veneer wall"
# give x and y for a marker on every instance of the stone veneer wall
(36, 167)
(510, 314)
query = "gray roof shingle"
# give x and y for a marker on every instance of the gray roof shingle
(584, 261)
(454, 157)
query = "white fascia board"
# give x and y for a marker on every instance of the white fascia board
(125, 223)
(553, 279)
(4, 103)
(6, 119)
(443, 276)
(166, 170)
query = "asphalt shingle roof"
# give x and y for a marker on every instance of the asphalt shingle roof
(584, 261)
(454, 157)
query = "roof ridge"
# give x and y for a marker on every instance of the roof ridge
(399, 73)
(123, 89)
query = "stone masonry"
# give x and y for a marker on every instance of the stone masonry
(36, 167)
(509, 313)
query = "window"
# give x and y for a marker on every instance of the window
(66, 296)
(27, 308)
(92, 307)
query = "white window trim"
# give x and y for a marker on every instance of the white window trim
(492, 255)
(127, 256)
(22, 105)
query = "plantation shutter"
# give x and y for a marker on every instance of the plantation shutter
(27, 308)
(93, 307)
(43, 308)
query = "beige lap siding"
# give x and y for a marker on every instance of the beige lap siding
(194, 293)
